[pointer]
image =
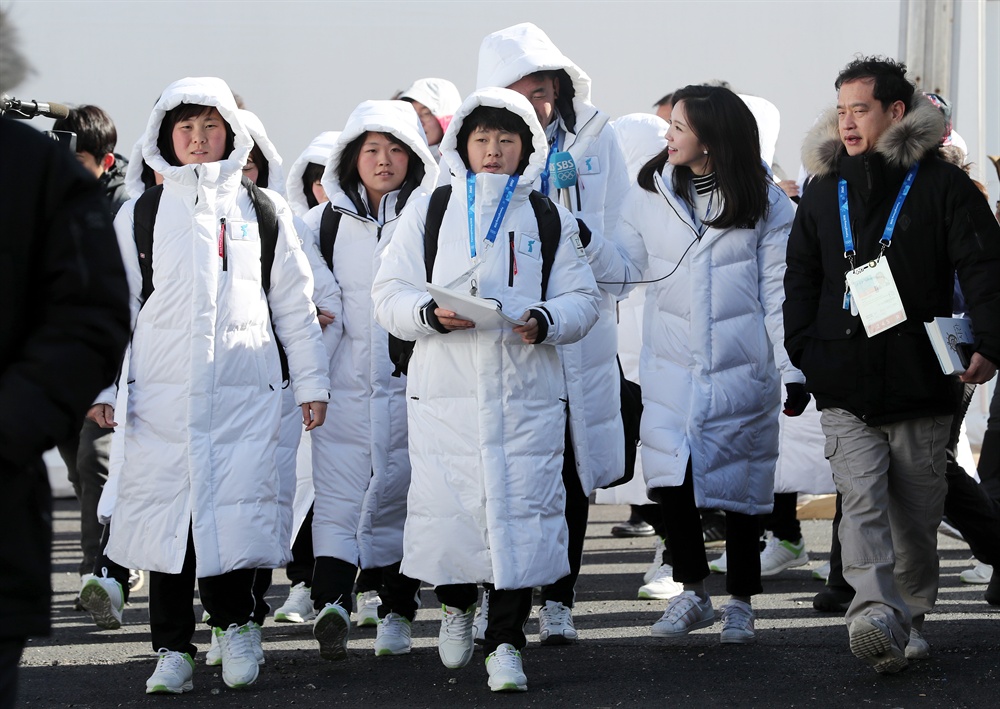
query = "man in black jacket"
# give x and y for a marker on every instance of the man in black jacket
(886, 405)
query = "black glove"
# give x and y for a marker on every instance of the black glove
(431, 318)
(796, 399)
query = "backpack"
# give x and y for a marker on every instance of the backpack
(144, 218)
(549, 231)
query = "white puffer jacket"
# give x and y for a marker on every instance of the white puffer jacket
(361, 467)
(589, 365)
(712, 348)
(204, 377)
(486, 411)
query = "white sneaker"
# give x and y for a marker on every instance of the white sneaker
(822, 572)
(332, 626)
(103, 597)
(505, 670)
(917, 648)
(781, 554)
(662, 586)
(658, 548)
(368, 603)
(980, 573)
(173, 673)
(555, 624)
(720, 565)
(684, 613)
(392, 636)
(455, 639)
(737, 623)
(239, 664)
(298, 607)
(213, 657)
(482, 618)
(256, 642)
(872, 641)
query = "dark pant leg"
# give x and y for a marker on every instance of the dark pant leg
(171, 606)
(836, 577)
(369, 580)
(228, 597)
(104, 563)
(974, 514)
(457, 595)
(261, 585)
(742, 554)
(577, 511)
(651, 515)
(10, 658)
(783, 522)
(684, 536)
(333, 582)
(509, 611)
(300, 568)
(399, 593)
(92, 472)
(989, 456)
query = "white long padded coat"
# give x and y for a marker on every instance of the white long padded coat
(487, 413)
(361, 467)
(204, 398)
(590, 368)
(712, 347)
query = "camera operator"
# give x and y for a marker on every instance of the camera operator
(95, 144)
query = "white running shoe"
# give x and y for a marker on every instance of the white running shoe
(658, 548)
(331, 629)
(239, 664)
(979, 573)
(737, 623)
(298, 607)
(917, 648)
(105, 600)
(213, 657)
(368, 603)
(822, 572)
(455, 639)
(662, 586)
(720, 565)
(482, 618)
(173, 673)
(781, 554)
(505, 670)
(684, 613)
(555, 624)
(256, 642)
(392, 637)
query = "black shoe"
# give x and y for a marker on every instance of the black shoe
(632, 529)
(713, 527)
(992, 594)
(833, 599)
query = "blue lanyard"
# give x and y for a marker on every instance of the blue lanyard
(845, 217)
(553, 147)
(491, 235)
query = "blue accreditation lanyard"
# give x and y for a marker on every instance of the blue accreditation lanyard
(553, 148)
(845, 216)
(491, 235)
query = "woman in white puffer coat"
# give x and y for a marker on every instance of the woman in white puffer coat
(361, 467)
(710, 229)
(198, 491)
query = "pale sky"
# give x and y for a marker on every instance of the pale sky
(303, 66)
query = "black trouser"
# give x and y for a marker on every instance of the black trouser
(10, 658)
(333, 582)
(116, 571)
(300, 568)
(398, 593)
(228, 598)
(836, 578)
(369, 580)
(577, 511)
(783, 522)
(651, 515)
(989, 456)
(508, 612)
(86, 458)
(261, 585)
(684, 534)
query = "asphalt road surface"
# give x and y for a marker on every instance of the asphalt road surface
(800, 657)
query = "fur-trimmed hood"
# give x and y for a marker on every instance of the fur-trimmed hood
(902, 144)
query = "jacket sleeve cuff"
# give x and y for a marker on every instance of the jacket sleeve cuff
(427, 313)
(541, 317)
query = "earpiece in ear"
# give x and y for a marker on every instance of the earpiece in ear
(704, 152)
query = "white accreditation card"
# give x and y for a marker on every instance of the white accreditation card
(874, 293)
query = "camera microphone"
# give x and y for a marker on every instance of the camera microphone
(16, 108)
(563, 168)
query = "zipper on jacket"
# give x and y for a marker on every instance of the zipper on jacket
(222, 243)
(512, 270)
(579, 202)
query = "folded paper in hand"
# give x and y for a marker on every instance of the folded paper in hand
(485, 312)
(950, 338)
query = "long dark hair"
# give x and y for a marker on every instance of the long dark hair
(263, 167)
(727, 128)
(349, 177)
(183, 112)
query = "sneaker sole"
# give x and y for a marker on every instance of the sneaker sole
(624, 533)
(213, 661)
(794, 563)
(670, 634)
(973, 580)
(389, 652)
(509, 687)
(737, 638)
(647, 596)
(874, 647)
(716, 569)
(556, 640)
(331, 633)
(367, 622)
(247, 683)
(164, 689)
(96, 600)
(292, 618)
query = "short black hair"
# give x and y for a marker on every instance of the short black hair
(183, 112)
(95, 131)
(667, 100)
(311, 175)
(263, 167)
(887, 75)
(495, 118)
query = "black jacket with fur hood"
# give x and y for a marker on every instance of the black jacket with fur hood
(945, 227)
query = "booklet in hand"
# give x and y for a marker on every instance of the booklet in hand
(485, 312)
(951, 339)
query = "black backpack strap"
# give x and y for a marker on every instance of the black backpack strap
(143, 219)
(432, 225)
(549, 231)
(329, 225)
